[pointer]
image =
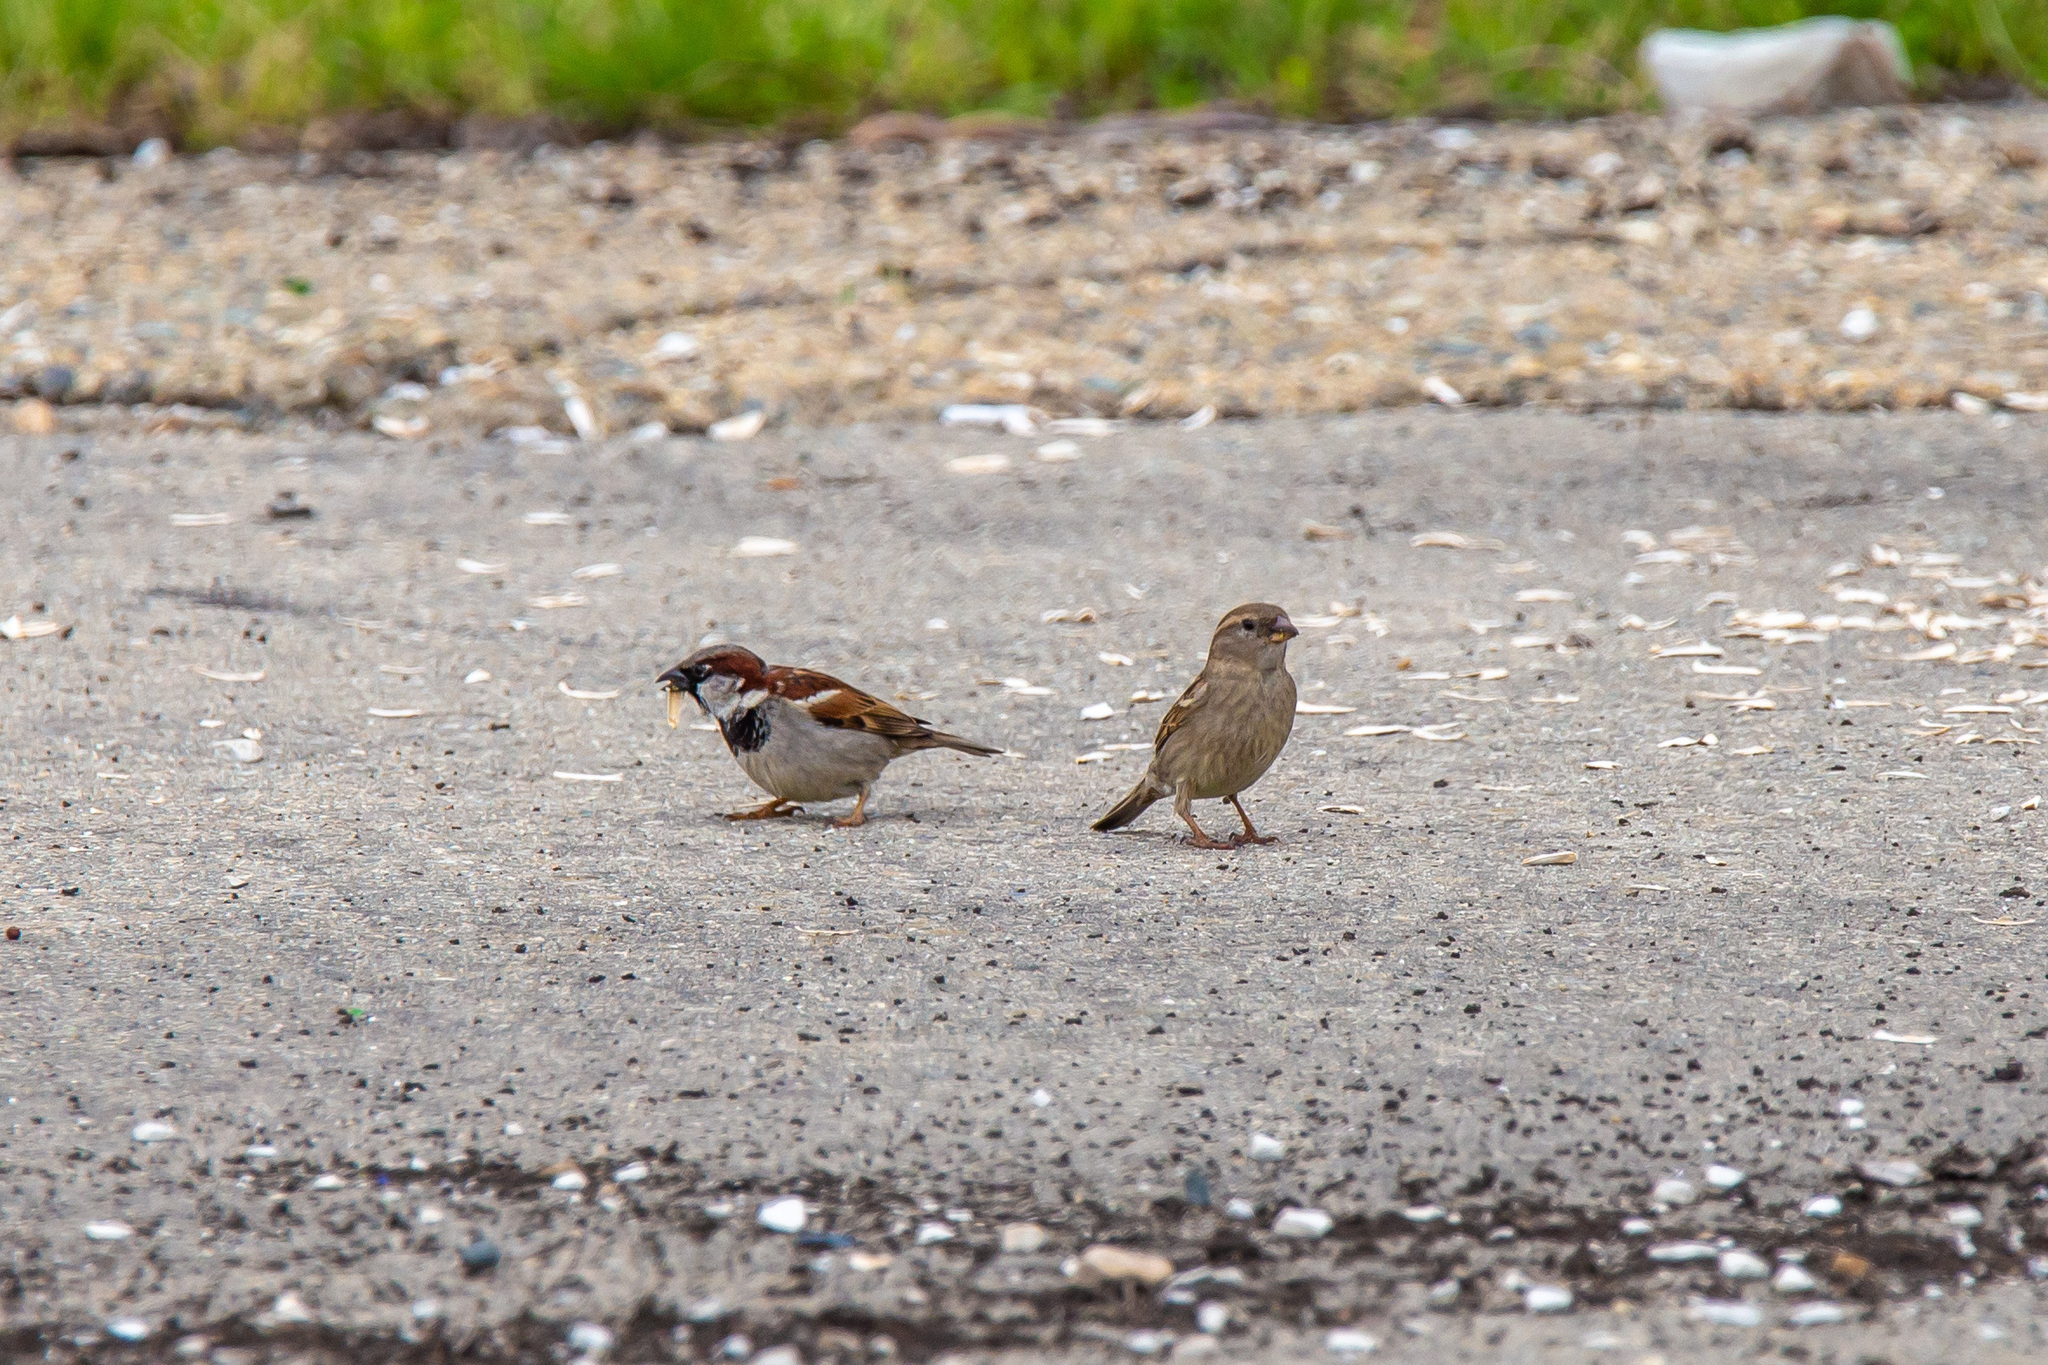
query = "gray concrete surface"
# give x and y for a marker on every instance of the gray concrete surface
(422, 967)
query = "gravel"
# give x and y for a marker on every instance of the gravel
(1864, 259)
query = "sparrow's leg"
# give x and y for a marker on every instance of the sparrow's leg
(778, 809)
(859, 815)
(1250, 835)
(1183, 806)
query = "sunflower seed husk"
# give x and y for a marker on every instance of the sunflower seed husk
(589, 777)
(743, 427)
(978, 464)
(541, 519)
(1057, 452)
(479, 566)
(196, 519)
(1077, 616)
(556, 601)
(762, 547)
(1562, 858)
(1311, 708)
(14, 628)
(218, 675)
(598, 571)
(1116, 660)
(580, 695)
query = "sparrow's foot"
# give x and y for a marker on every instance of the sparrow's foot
(1201, 840)
(858, 817)
(777, 809)
(1250, 835)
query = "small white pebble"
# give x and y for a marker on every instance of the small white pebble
(1673, 1191)
(928, 1233)
(1423, 1213)
(1303, 1224)
(1240, 1209)
(1040, 1098)
(1793, 1279)
(1637, 1227)
(1816, 1315)
(127, 1329)
(1211, 1317)
(1724, 1177)
(571, 1181)
(590, 1338)
(109, 1231)
(1737, 1264)
(1850, 1108)
(1349, 1341)
(1264, 1147)
(1821, 1206)
(1859, 324)
(1963, 1216)
(151, 1130)
(782, 1215)
(329, 1181)
(1546, 1298)
(630, 1172)
(1726, 1313)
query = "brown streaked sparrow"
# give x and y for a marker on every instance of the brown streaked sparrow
(800, 735)
(1226, 729)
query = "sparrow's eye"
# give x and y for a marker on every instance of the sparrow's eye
(1251, 625)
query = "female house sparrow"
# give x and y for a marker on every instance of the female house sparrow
(800, 735)
(1226, 729)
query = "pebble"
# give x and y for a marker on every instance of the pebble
(1196, 1187)
(1724, 1177)
(738, 1346)
(1546, 1298)
(782, 1215)
(630, 1172)
(1859, 324)
(330, 1181)
(1899, 1173)
(1105, 1262)
(108, 1231)
(779, 1355)
(1040, 1098)
(152, 1130)
(289, 1307)
(1637, 1227)
(426, 1310)
(1303, 1224)
(1677, 1252)
(261, 1151)
(1445, 1292)
(1726, 1313)
(1211, 1317)
(1349, 1341)
(1423, 1213)
(571, 1181)
(1816, 1315)
(1194, 1348)
(1849, 1109)
(929, 1233)
(1673, 1192)
(1737, 1264)
(1021, 1239)
(1265, 1147)
(127, 1329)
(1148, 1343)
(1793, 1279)
(590, 1338)
(1963, 1216)
(706, 1310)
(480, 1255)
(1821, 1206)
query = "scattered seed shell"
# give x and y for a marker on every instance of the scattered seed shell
(590, 777)
(1562, 858)
(196, 519)
(568, 691)
(762, 547)
(742, 427)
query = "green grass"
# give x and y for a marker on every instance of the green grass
(210, 71)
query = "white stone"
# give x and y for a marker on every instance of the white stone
(590, 1338)
(1021, 1239)
(630, 1172)
(1303, 1224)
(1859, 324)
(1724, 1177)
(150, 1130)
(571, 1181)
(1793, 1279)
(1546, 1298)
(1211, 1317)
(1672, 1253)
(1816, 1315)
(1240, 1209)
(1265, 1147)
(1349, 1341)
(1737, 1264)
(928, 1233)
(1726, 1313)
(109, 1231)
(127, 1329)
(782, 1215)
(1821, 1206)
(1673, 1191)
(1963, 1216)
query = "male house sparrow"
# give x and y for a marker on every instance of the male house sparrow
(1226, 729)
(800, 735)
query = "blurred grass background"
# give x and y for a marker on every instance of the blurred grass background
(208, 72)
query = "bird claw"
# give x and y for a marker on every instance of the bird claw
(1240, 840)
(1204, 841)
(773, 810)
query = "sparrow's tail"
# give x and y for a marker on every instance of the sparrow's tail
(940, 739)
(1130, 808)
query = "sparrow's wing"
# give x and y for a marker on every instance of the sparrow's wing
(831, 702)
(1177, 715)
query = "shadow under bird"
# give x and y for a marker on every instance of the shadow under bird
(1225, 730)
(801, 735)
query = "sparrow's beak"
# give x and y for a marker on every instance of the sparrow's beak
(1283, 631)
(675, 706)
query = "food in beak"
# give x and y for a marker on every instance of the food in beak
(675, 706)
